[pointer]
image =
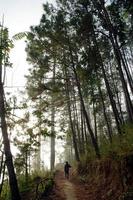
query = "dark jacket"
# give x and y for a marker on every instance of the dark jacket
(66, 167)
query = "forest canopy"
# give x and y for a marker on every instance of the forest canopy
(81, 56)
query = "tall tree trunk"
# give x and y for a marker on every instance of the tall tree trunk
(2, 171)
(77, 130)
(8, 156)
(82, 131)
(9, 162)
(76, 120)
(1, 163)
(119, 58)
(52, 157)
(38, 153)
(93, 139)
(94, 114)
(131, 58)
(70, 117)
(105, 115)
(2, 178)
(26, 166)
(130, 80)
(117, 96)
(85, 131)
(112, 101)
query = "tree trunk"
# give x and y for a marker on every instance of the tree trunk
(119, 59)
(9, 162)
(93, 139)
(38, 153)
(117, 96)
(94, 115)
(76, 120)
(70, 117)
(2, 178)
(1, 163)
(112, 101)
(52, 157)
(105, 115)
(26, 166)
(86, 136)
(130, 80)
(82, 131)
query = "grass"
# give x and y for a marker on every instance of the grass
(27, 187)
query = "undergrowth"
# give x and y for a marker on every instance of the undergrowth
(28, 185)
(112, 175)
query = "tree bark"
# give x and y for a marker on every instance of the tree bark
(105, 115)
(70, 118)
(129, 77)
(15, 195)
(82, 131)
(2, 178)
(9, 162)
(119, 58)
(93, 139)
(52, 157)
(112, 101)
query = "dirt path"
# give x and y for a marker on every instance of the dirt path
(74, 189)
(69, 190)
(63, 189)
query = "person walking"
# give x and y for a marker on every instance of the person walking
(67, 166)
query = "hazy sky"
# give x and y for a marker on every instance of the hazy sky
(19, 15)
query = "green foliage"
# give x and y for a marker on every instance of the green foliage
(80, 38)
(43, 181)
(28, 188)
(5, 47)
(41, 173)
(120, 144)
(20, 35)
(24, 186)
(5, 195)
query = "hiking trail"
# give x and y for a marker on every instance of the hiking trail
(69, 191)
(63, 189)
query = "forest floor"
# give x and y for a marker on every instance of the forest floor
(67, 189)
(76, 189)
(63, 189)
(73, 189)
